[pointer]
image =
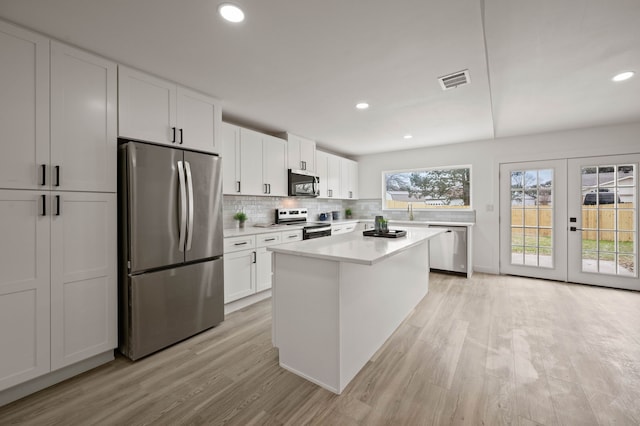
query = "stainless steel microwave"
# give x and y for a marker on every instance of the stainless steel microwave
(303, 184)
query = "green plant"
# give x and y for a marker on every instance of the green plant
(347, 212)
(240, 216)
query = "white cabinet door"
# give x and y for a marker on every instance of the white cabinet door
(83, 276)
(308, 154)
(251, 163)
(24, 108)
(24, 286)
(198, 120)
(334, 176)
(263, 269)
(230, 153)
(274, 164)
(322, 172)
(301, 153)
(239, 275)
(83, 121)
(353, 180)
(146, 107)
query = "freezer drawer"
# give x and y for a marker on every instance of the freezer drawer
(168, 306)
(448, 251)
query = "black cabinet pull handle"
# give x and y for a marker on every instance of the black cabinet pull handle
(255, 257)
(238, 186)
(240, 244)
(265, 188)
(181, 136)
(270, 239)
(57, 175)
(44, 174)
(44, 204)
(173, 138)
(57, 205)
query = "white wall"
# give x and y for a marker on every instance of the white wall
(485, 157)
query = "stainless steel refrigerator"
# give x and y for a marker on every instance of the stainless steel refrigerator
(171, 244)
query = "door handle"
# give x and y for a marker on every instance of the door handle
(44, 204)
(183, 207)
(173, 138)
(269, 188)
(181, 136)
(57, 175)
(573, 228)
(255, 257)
(238, 186)
(265, 188)
(57, 205)
(44, 174)
(190, 204)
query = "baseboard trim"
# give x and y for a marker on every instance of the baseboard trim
(236, 305)
(34, 385)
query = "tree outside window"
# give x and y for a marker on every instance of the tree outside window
(436, 188)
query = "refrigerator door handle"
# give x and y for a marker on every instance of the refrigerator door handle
(183, 206)
(187, 166)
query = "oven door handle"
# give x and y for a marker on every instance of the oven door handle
(314, 230)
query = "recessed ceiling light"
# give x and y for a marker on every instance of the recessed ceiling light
(362, 105)
(623, 76)
(231, 12)
(408, 136)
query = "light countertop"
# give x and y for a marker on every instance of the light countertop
(356, 248)
(421, 223)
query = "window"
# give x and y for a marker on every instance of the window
(432, 188)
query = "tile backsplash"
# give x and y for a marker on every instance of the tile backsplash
(369, 208)
(262, 209)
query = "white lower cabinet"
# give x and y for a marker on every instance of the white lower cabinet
(83, 276)
(247, 262)
(343, 228)
(239, 275)
(58, 283)
(24, 287)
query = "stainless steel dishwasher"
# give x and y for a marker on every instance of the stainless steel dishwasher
(448, 251)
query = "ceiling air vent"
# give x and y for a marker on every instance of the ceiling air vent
(454, 80)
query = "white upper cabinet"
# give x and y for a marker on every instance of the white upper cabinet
(230, 153)
(199, 118)
(155, 110)
(348, 179)
(274, 165)
(253, 163)
(301, 153)
(146, 107)
(251, 182)
(328, 170)
(83, 121)
(24, 108)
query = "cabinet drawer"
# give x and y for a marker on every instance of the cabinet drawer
(349, 227)
(239, 243)
(290, 236)
(272, 238)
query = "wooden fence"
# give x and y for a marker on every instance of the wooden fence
(603, 218)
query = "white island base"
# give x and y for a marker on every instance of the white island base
(331, 316)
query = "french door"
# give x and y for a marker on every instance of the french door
(571, 220)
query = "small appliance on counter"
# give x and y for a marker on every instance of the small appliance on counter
(335, 215)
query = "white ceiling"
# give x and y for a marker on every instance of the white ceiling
(301, 66)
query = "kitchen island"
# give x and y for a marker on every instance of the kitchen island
(337, 300)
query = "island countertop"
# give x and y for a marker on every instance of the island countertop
(356, 248)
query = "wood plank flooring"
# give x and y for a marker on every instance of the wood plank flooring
(490, 350)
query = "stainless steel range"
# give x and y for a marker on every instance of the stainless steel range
(299, 216)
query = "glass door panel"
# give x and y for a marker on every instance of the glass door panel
(529, 242)
(604, 191)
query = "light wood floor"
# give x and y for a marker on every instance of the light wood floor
(489, 350)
